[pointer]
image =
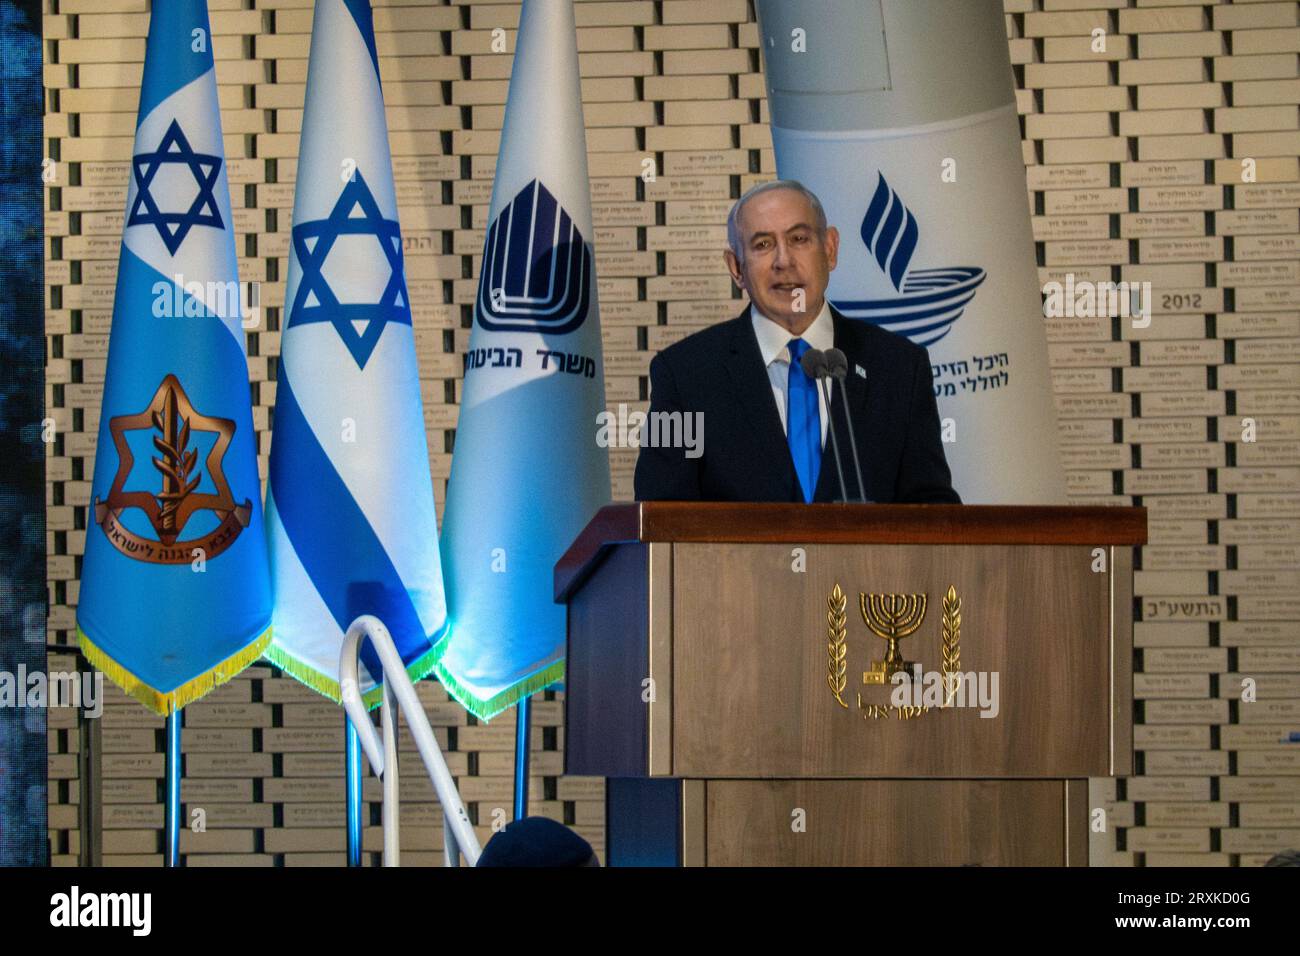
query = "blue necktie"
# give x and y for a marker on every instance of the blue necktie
(803, 428)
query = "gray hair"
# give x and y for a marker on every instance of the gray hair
(733, 219)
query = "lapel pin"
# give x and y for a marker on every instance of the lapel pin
(862, 372)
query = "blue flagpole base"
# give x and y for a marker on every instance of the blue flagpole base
(523, 721)
(172, 795)
(352, 781)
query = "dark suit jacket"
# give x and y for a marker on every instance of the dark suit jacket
(720, 372)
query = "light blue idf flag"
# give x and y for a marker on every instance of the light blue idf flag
(175, 596)
(527, 473)
(350, 508)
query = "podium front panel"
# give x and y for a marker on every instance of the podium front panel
(782, 661)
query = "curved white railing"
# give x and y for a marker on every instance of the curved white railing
(458, 832)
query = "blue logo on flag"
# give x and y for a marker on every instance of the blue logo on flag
(359, 324)
(173, 227)
(536, 273)
(930, 300)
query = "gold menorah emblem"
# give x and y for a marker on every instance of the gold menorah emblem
(891, 617)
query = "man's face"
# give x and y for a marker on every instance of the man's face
(786, 263)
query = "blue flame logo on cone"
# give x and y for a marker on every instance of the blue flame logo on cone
(930, 300)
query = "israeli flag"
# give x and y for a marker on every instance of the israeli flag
(350, 507)
(527, 473)
(175, 595)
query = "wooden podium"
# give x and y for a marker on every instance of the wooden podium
(737, 672)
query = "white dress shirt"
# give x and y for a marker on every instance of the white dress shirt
(774, 346)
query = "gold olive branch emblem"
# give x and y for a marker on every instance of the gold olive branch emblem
(836, 649)
(951, 666)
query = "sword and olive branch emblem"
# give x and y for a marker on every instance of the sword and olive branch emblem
(173, 420)
(176, 464)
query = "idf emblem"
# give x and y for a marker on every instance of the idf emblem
(173, 422)
(893, 618)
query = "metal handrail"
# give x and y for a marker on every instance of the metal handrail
(458, 832)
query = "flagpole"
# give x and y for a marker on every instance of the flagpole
(508, 625)
(181, 216)
(352, 779)
(172, 788)
(523, 720)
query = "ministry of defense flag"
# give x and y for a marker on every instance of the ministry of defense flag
(175, 595)
(527, 473)
(349, 504)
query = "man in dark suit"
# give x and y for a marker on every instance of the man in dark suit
(765, 423)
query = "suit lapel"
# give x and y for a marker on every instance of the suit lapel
(751, 385)
(856, 388)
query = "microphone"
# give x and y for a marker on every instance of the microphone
(837, 366)
(815, 367)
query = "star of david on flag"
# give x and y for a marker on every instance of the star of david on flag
(352, 520)
(173, 227)
(359, 324)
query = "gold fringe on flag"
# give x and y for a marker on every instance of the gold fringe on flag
(164, 702)
(485, 710)
(323, 684)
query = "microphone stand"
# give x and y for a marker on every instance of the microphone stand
(830, 426)
(815, 366)
(840, 374)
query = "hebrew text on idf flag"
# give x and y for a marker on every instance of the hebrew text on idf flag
(175, 596)
(900, 115)
(527, 473)
(350, 508)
